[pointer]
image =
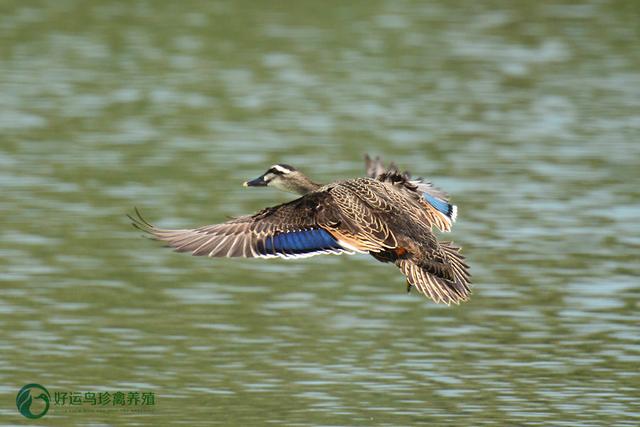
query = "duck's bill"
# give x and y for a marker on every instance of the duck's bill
(258, 182)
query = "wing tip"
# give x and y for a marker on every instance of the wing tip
(438, 289)
(139, 222)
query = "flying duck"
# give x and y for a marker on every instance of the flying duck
(388, 215)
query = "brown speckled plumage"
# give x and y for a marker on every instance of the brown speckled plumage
(385, 215)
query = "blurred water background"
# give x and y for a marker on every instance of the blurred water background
(528, 113)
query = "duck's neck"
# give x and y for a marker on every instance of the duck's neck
(303, 186)
(299, 184)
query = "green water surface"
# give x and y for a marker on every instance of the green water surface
(528, 113)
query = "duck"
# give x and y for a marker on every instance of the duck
(387, 214)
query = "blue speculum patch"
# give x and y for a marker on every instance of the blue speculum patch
(440, 205)
(298, 242)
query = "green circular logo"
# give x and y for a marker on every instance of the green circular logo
(25, 398)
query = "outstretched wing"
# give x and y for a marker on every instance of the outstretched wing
(443, 278)
(290, 230)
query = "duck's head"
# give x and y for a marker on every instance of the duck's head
(284, 177)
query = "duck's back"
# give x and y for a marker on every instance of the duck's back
(396, 204)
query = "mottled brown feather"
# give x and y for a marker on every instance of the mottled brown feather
(384, 215)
